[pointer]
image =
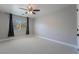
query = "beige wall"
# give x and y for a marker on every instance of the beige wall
(4, 25)
(60, 25)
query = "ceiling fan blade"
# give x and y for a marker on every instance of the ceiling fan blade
(23, 8)
(33, 12)
(36, 10)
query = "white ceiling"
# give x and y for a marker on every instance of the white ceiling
(44, 8)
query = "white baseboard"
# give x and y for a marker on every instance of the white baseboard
(59, 42)
(52, 40)
(11, 38)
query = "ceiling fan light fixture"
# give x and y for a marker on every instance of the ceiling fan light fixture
(31, 9)
(29, 6)
(29, 12)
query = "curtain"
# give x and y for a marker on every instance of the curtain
(11, 29)
(27, 28)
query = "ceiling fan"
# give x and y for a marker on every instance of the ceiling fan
(30, 9)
